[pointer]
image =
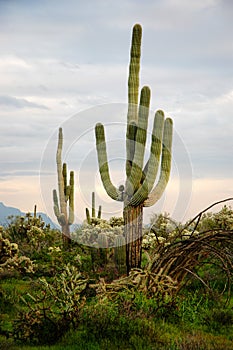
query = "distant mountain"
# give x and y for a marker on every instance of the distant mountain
(5, 212)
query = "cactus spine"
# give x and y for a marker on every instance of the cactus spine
(120, 254)
(65, 197)
(91, 219)
(139, 190)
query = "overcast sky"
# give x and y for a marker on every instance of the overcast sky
(60, 61)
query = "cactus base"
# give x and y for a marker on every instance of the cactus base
(133, 218)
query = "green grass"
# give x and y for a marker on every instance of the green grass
(171, 338)
(194, 322)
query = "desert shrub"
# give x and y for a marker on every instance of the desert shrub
(219, 320)
(88, 234)
(105, 320)
(222, 220)
(6, 344)
(53, 309)
(116, 221)
(203, 341)
(31, 233)
(11, 259)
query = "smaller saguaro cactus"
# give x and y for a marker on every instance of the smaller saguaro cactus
(92, 218)
(63, 203)
(120, 254)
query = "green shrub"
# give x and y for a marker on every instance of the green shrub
(53, 310)
(11, 259)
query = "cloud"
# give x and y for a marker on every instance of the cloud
(15, 102)
(21, 192)
(12, 63)
(66, 59)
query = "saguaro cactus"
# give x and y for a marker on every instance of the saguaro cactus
(91, 218)
(138, 191)
(63, 203)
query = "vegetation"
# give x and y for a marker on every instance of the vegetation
(180, 299)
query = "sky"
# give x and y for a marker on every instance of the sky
(65, 64)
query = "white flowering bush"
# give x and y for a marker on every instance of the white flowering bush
(10, 260)
(88, 234)
(36, 236)
(31, 233)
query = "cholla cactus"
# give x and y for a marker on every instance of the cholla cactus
(10, 259)
(65, 216)
(91, 219)
(139, 190)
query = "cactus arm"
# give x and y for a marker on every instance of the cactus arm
(133, 181)
(144, 172)
(158, 190)
(88, 217)
(56, 204)
(71, 198)
(60, 216)
(64, 174)
(111, 190)
(153, 162)
(134, 68)
(133, 88)
(93, 205)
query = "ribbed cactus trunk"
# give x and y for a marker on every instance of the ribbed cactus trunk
(66, 235)
(139, 190)
(133, 219)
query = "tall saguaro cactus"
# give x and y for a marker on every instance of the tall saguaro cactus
(139, 190)
(63, 203)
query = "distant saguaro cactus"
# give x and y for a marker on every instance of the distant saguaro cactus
(138, 191)
(91, 218)
(63, 203)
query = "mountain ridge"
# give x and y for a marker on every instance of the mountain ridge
(6, 211)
